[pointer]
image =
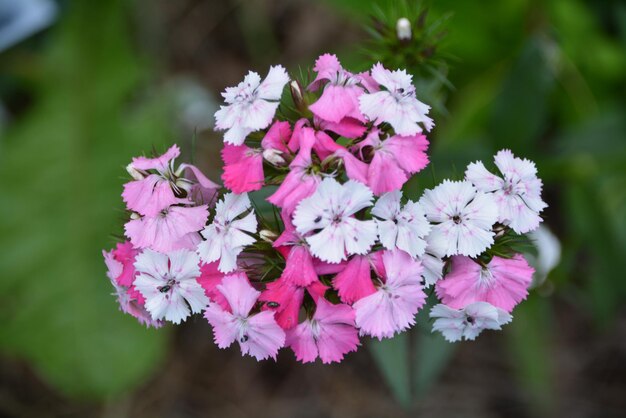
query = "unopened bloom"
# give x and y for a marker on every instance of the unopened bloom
(257, 334)
(397, 104)
(168, 283)
(403, 29)
(469, 322)
(398, 298)
(502, 282)
(227, 235)
(328, 215)
(464, 217)
(251, 105)
(401, 227)
(517, 193)
(329, 335)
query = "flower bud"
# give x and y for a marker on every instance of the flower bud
(134, 173)
(135, 216)
(297, 96)
(403, 29)
(267, 235)
(273, 156)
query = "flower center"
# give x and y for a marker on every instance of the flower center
(456, 219)
(167, 287)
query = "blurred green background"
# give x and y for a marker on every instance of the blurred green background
(92, 84)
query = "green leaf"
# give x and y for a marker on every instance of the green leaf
(392, 358)
(61, 168)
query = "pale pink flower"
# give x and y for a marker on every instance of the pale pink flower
(398, 298)
(392, 160)
(467, 323)
(258, 335)
(330, 334)
(251, 105)
(326, 220)
(340, 96)
(503, 282)
(517, 193)
(150, 193)
(397, 104)
(202, 191)
(228, 234)
(127, 298)
(463, 218)
(173, 228)
(354, 282)
(243, 168)
(402, 227)
(168, 283)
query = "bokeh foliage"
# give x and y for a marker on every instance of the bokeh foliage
(60, 167)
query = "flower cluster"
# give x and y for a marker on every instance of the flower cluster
(341, 254)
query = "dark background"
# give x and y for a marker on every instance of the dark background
(103, 81)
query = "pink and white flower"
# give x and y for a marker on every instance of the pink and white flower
(326, 220)
(467, 323)
(258, 334)
(329, 335)
(503, 282)
(228, 234)
(168, 284)
(517, 193)
(402, 227)
(393, 307)
(397, 104)
(463, 217)
(251, 105)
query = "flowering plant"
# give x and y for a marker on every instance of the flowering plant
(345, 255)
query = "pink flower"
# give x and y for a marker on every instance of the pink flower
(301, 181)
(284, 298)
(243, 168)
(330, 334)
(162, 163)
(210, 278)
(275, 143)
(299, 267)
(347, 127)
(503, 282)
(258, 335)
(393, 160)
(394, 305)
(174, 228)
(124, 253)
(340, 97)
(354, 282)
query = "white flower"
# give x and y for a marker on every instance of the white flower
(226, 237)
(518, 193)
(328, 215)
(463, 216)
(251, 105)
(168, 283)
(432, 261)
(401, 227)
(468, 323)
(396, 105)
